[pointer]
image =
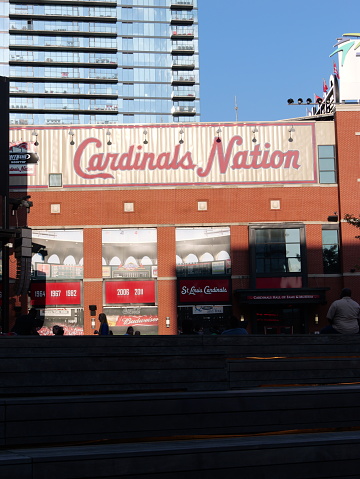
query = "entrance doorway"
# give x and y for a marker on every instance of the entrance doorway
(192, 323)
(278, 320)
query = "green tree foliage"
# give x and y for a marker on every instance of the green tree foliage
(354, 221)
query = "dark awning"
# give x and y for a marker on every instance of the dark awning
(281, 296)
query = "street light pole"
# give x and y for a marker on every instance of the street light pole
(4, 193)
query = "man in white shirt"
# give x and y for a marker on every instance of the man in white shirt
(343, 315)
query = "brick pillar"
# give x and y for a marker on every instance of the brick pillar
(167, 302)
(239, 247)
(92, 276)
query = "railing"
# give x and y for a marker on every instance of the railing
(183, 78)
(182, 33)
(183, 63)
(183, 17)
(182, 2)
(183, 109)
(183, 93)
(20, 122)
(183, 47)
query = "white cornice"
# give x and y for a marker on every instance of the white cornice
(347, 107)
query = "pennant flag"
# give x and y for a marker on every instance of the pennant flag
(336, 73)
(325, 87)
(318, 99)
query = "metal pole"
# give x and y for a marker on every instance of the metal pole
(4, 191)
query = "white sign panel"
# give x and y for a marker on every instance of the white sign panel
(208, 309)
(348, 50)
(227, 154)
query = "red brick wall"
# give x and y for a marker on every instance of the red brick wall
(235, 207)
(348, 149)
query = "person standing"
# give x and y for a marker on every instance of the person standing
(58, 330)
(236, 327)
(104, 329)
(343, 315)
(28, 324)
(129, 331)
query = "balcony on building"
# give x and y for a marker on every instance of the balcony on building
(183, 111)
(65, 76)
(101, 109)
(183, 49)
(62, 92)
(181, 5)
(33, 61)
(22, 12)
(65, 32)
(182, 18)
(183, 80)
(60, 44)
(14, 121)
(183, 95)
(182, 34)
(183, 64)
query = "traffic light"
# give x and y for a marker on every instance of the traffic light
(23, 253)
(23, 243)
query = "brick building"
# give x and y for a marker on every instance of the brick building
(157, 224)
(164, 225)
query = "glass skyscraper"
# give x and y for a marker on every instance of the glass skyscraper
(101, 61)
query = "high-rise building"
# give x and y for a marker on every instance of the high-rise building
(101, 61)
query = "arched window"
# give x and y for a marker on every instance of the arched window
(69, 260)
(179, 260)
(146, 261)
(54, 259)
(131, 260)
(115, 261)
(191, 258)
(37, 258)
(206, 257)
(222, 255)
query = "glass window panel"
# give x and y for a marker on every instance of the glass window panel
(329, 237)
(261, 235)
(292, 235)
(327, 177)
(331, 259)
(326, 151)
(294, 265)
(292, 250)
(330, 247)
(327, 164)
(277, 235)
(267, 266)
(277, 265)
(260, 266)
(277, 250)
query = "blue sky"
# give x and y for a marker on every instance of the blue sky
(265, 52)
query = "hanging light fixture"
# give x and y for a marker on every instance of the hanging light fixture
(71, 133)
(108, 134)
(292, 129)
(218, 131)
(35, 133)
(255, 130)
(145, 132)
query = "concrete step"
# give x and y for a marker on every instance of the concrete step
(295, 456)
(73, 419)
